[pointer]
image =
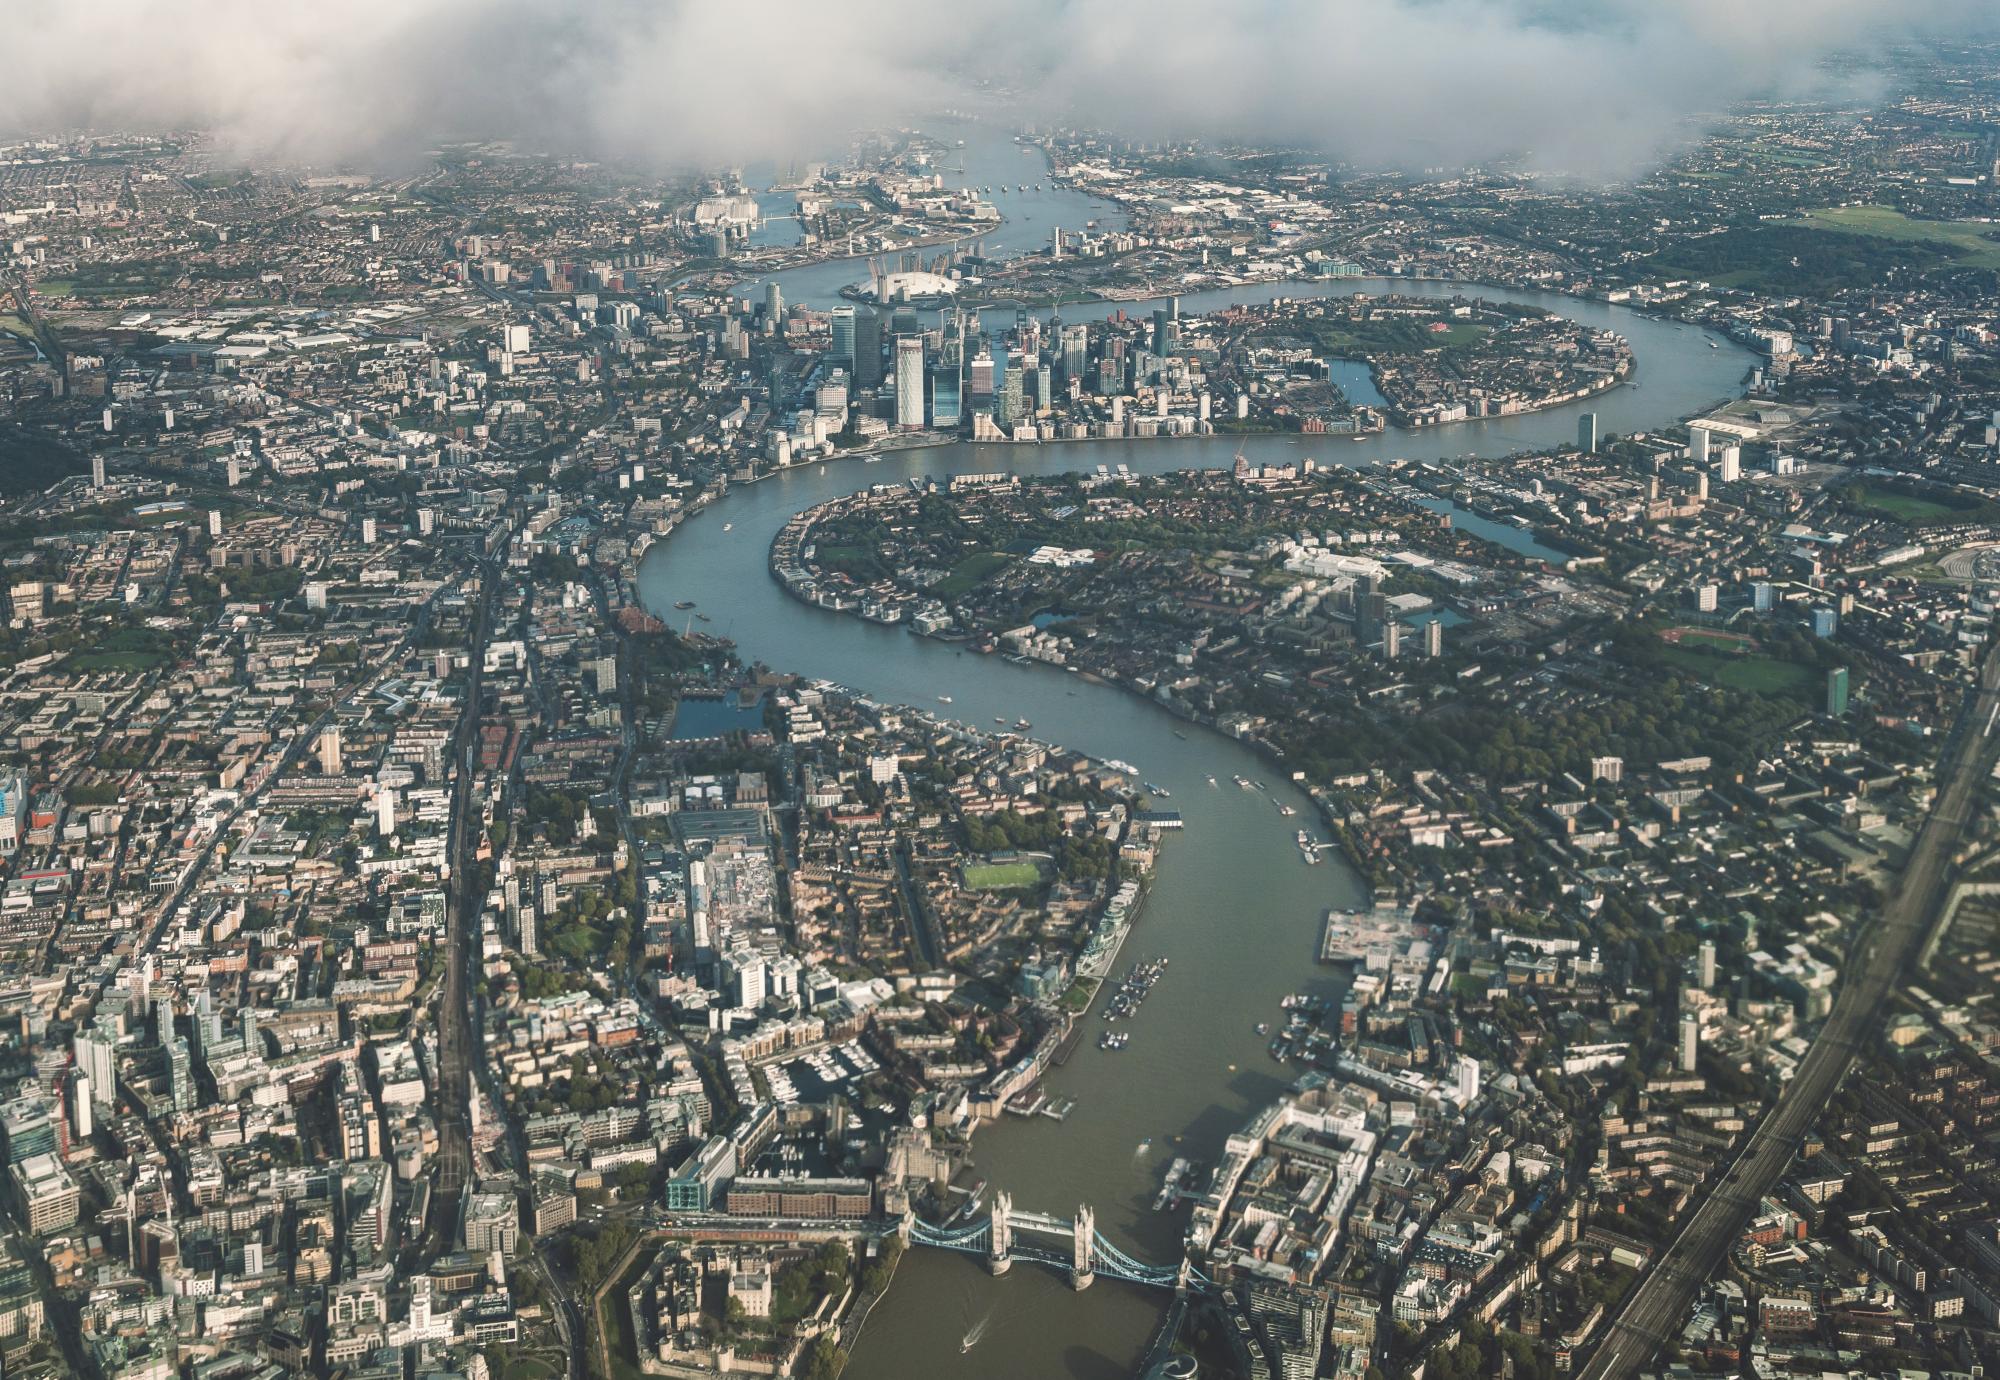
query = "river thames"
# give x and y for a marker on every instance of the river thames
(1233, 906)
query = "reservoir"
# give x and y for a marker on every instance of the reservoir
(1233, 907)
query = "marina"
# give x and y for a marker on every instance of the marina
(1126, 998)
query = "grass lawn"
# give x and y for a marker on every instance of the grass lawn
(1902, 507)
(117, 661)
(1360, 340)
(1001, 876)
(1969, 237)
(1762, 675)
(1700, 637)
(974, 569)
(1797, 256)
(527, 1368)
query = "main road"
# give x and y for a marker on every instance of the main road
(457, 1041)
(1660, 1304)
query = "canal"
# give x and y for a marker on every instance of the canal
(1234, 907)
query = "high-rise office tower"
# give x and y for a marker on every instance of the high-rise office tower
(842, 321)
(867, 349)
(96, 1057)
(910, 382)
(946, 409)
(1586, 432)
(180, 1074)
(82, 1112)
(1075, 352)
(1010, 405)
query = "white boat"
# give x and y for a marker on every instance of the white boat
(944, 699)
(728, 526)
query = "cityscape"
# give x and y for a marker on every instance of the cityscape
(1141, 710)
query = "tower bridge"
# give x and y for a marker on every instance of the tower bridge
(997, 1238)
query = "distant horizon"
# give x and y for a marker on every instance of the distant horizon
(1601, 93)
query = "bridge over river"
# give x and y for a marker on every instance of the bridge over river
(997, 1239)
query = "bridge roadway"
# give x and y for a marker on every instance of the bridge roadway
(1658, 1307)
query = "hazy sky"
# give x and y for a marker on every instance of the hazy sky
(1601, 88)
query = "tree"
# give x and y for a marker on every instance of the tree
(826, 1360)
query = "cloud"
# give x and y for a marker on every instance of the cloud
(1599, 88)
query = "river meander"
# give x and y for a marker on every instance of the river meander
(1233, 906)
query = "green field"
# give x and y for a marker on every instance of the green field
(1722, 642)
(1968, 238)
(1873, 498)
(1797, 256)
(126, 649)
(1363, 340)
(527, 1368)
(973, 570)
(1761, 675)
(1005, 876)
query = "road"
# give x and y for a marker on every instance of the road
(461, 1060)
(455, 1033)
(1656, 1310)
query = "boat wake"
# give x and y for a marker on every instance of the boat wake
(978, 1330)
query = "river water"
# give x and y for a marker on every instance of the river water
(1233, 907)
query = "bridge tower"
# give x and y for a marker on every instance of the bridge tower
(1083, 1267)
(1000, 1235)
(1181, 1276)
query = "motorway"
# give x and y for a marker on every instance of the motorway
(1659, 1306)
